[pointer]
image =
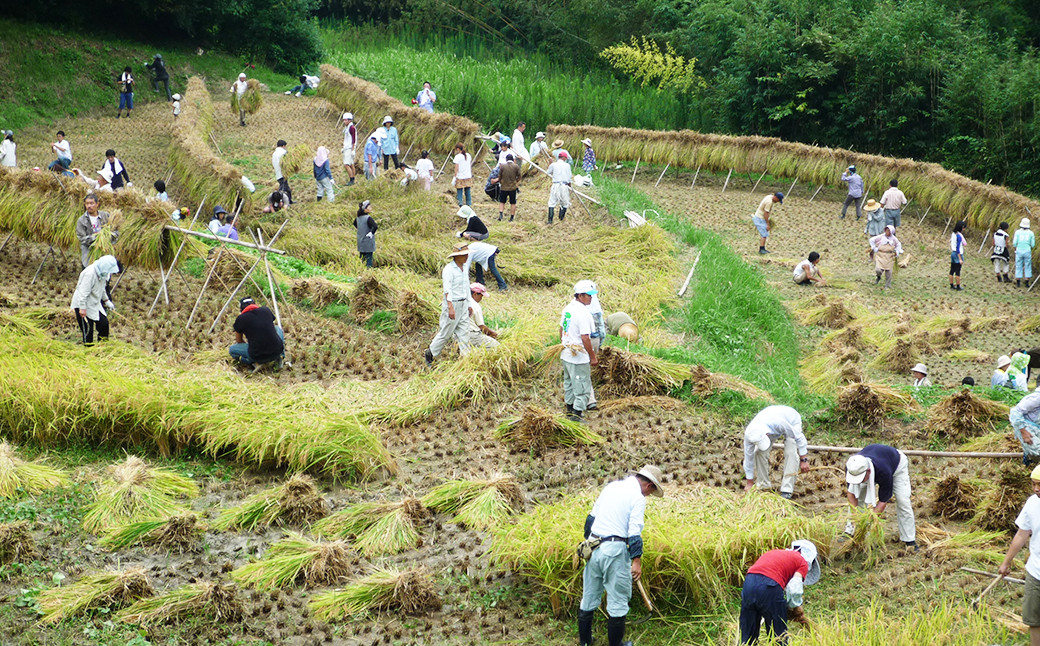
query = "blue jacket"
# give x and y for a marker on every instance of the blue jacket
(391, 143)
(323, 171)
(371, 151)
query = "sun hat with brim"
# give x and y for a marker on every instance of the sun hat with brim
(856, 469)
(921, 368)
(654, 475)
(387, 119)
(872, 204)
(811, 556)
(477, 288)
(540, 135)
(558, 143)
(1004, 360)
(1024, 224)
(176, 97)
(106, 173)
(585, 287)
(465, 212)
(587, 142)
(459, 250)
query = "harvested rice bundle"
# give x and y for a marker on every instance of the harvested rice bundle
(844, 339)
(16, 543)
(231, 265)
(825, 373)
(859, 405)
(55, 320)
(411, 592)
(104, 590)
(1029, 324)
(997, 442)
(181, 533)
(834, 314)
(295, 159)
(963, 415)
(134, 491)
(627, 373)
(298, 558)
(378, 528)
(705, 384)
(968, 354)
(645, 402)
(479, 504)
(898, 354)
(213, 600)
(250, 102)
(368, 296)
(29, 477)
(321, 292)
(537, 429)
(954, 499)
(868, 537)
(999, 507)
(928, 622)
(297, 502)
(975, 546)
(413, 313)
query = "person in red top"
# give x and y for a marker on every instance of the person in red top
(774, 584)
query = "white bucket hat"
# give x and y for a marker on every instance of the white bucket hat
(856, 469)
(107, 174)
(176, 97)
(654, 475)
(540, 135)
(587, 142)
(242, 75)
(921, 368)
(1024, 224)
(759, 436)
(1004, 360)
(387, 118)
(810, 554)
(465, 212)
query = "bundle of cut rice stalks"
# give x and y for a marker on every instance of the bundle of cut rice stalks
(17, 475)
(835, 313)
(825, 373)
(104, 590)
(321, 292)
(250, 102)
(964, 415)
(972, 546)
(538, 430)
(377, 528)
(868, 536)
(297, 502)
(1000, 506)
(215, 601)
(996, 442)
(411, 592)
(955, 499)
(479, 504)
(181, 533)
(968, 354)
(627, 373)
(134, 491)
(705, 383)
(296, 158)
(867, 404)
(16, 543)
(297, 558)
(368, 296)
(897, 354)
(1029, 324)
(413, 313)
(848, 338)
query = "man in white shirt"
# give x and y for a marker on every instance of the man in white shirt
(893, 202)
(761, 218)
(426, 97)
(1028, 523)
(771, 424)
(239, 88)
(63, 149)
(480, 335)
(482, 256)
(517, 144)
(578, 357)
(280, 149)
(560, 191)
(539, 149)
(617, 521)
(455, 295)
(349, 145)
(806, 272)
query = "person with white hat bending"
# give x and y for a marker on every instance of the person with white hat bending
(349, 146)
(455, 293)
(920, 375)
(1028, 524)
(578, 356)
(614, 530)
(773, 590)
(1023, 242)
(888, 469)
(621, 324)
(475, 228)
(771, 424)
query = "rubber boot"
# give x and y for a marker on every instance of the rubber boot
(615, 630)
(563, 212)
(1018, 282)
(551, 212)
(585, 627)
(999, 278)
(1007, 279)
(570, 409)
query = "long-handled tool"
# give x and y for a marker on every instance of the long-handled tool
(646, 602)
(975, 603)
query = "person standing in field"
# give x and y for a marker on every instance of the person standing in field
(372, 153)
(424, 169)
(323, 174)
(1025, 422)
(491, 186)
(875, 218)
(349, 146)
(807, 272)
(176, 106)
(1001, 253)
(480, 335)
(89, 225)
(160, 191)
(91, 298)
(366, 233)
(391, 143)
(239, 88)
(454, 296)
(8, 150)
(956, 255)
(258, 337)
(614, 532)
(120, 177)
(63, 149)
(855, 192)
(517, 143)
(539, 149)
(893, 202)
(126, 92)
(463, 180)
(578, 356)
(558, 149)
(887, 469)
(475, 228)
(1024, 241)
(280, 150)
(761, 218)
(588, 160)
(599, 332)
(1028, 524)
(509, 180)
(884, 249)
(426, 97)
(560, 191)
(768, 426)
(160, 75)
(773, 590)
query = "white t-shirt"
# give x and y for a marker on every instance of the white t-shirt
(561, 172)
(64, 149)
(576, 322)
(1029, 520)
(425, 168)
(276, 161)
(465, 166)
(476, 316)
(239, 88)
(214, 226)
(803, 270)
(619, 509)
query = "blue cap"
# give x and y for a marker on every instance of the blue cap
(779, 196)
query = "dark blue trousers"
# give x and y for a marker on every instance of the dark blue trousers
(761, 598)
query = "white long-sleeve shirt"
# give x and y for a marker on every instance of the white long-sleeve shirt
(561, 172)
(454, 283)
(517, 144)
(619, 510)
(774, 422)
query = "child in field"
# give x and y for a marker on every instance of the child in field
(956, 255)
(1001, 254)
(160, 190)
(425, 169)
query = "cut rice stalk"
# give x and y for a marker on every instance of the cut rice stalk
(379, 528)
(645, 402)
(31, 477)
(181, 533)
(16, 543)
(296, 502)
(212, 600)
(103, 590)
(705, 384)
(868, 536)
(538, 430)
(134, 491)
(963, 415)
(298, 558)
(410, 592)
(627, 373)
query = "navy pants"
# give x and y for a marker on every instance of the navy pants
(761, 598)
(494, 272)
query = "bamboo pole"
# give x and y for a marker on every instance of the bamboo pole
(209, 236)
(5, 240)
(984, 238)
(446, 160)
(638, 159)
(694, 182)
(689, 276)
(270, 281)
(915, 452)
(661, 176)
(572, 189)
(212, 270)
(241, 282)
(791, 190)
(727, 180)
(165, 277)
(50, 250)
(993, 576)
(945, 228)
(925, 215)
(1034, 281)
(407, 152)
(759, 180)
(816, 193)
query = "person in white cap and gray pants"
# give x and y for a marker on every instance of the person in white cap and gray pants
(578, 356)
(615, 528)
(887, 469)
(771, 424)
(239, 88)
(349, 146)
(560, 191)
(1023, 242)
(773, 590)
(454, 313)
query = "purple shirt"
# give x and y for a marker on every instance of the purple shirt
(855, 183)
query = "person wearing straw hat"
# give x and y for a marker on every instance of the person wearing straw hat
(557, 148)
(1023, 242)
(578, 355)
(588, 159)
(349, 146)
(560, 191)
(475, 228)
(887, 469)
(1025, 421)
(454, 296)
(89, 225)
(8, 149)
(773, 590)
(855, 191)
(615, 526)
(239, 88)
(875, 218)
(892, 201)
(480, 335)
(391, 143)
(884, 249)
(258, 337)
(920, 374)
(539, 148)
(768, 426)
(761, 218)
(1028, 524)
(1000, 378)
(621, 324)
(91, 298)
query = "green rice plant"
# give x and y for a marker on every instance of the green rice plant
(103, 590)
(17, 475)
(968, 354)
(411, 592)
(945, 622)
(214, 601)
(133, 491)
(298, 558)
(538, 429)
(296, 502)
(177, 532)
(377, 528)
(480, 504)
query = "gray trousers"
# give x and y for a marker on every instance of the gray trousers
(456, 327)
(84, 254)
(859, 205)
(791, 466)
(325, 189)
(901, 496)
(577, 384)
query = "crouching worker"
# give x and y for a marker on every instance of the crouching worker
(773, 590)
(773, 423)
(257, 339)
(615, 529)
(91, 298)
(1024, 417)
(480, 335)
(1028, 523)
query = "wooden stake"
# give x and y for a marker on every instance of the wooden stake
(163, 289)
(759, 180)
(243, 281)
(5, 240)
(816, 193)
(50, 250)
(689, 276)
(925, 454)
(943, 234)
(210, 236)
(984, 238)
(694, 182)
(790, 190)
(407, 152)
(662, 173)
(213, 139)
(209, 276)
(1034, 281)
(727, 180)
(924, 216)
(638, 159)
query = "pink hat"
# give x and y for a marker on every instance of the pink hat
(477, 288)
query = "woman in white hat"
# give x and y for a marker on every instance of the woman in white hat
(391, 143)
(91, 298)
(475, 228)
(1000, 377)
(773, 590)
(920, 374)
(1023, 242)
(588, 160)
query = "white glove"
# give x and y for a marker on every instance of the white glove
(109, 306)
(369, 235)
(850, 529)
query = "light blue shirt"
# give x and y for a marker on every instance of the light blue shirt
(855, 183)
(391, 143)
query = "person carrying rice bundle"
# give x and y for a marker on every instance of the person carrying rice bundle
(1028, 524)
(773, 590)
(238, 90)
(888, 470)
(89, 226)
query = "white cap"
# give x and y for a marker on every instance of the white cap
(347, 115)
(106, 173)
(540, 135)
(856, 469)
(758, 435)
(1024, 224)
(809, 553)
(242, 75)
(387, 118)
(585, 287)
(921, 368)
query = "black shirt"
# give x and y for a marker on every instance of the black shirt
(258, 327)
(475, 225)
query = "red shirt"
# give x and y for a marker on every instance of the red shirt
(780, 566)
